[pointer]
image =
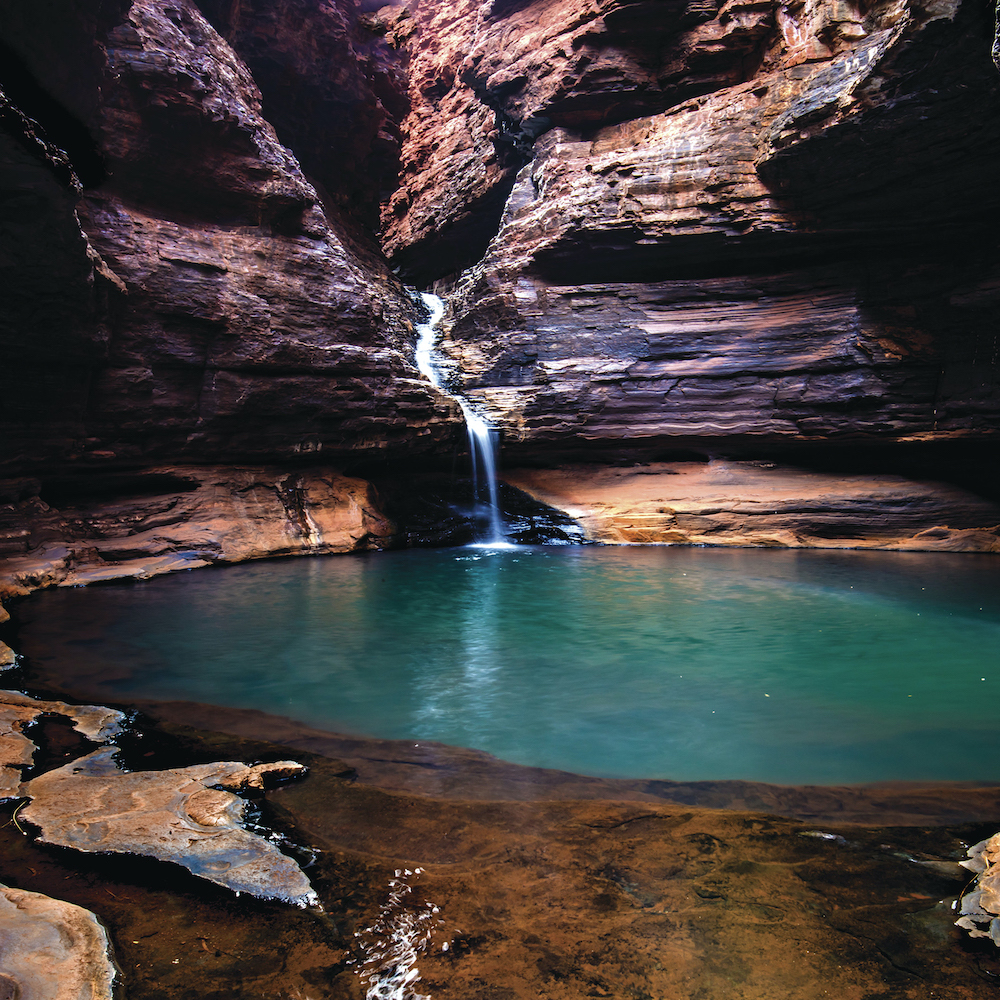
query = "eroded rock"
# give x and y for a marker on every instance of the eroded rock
(182, 517)
(18, 711)
(200, 300)
(52, 950)
(760, 504)
(980, 907)
(187, 815)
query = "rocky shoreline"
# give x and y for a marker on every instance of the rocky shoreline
(171, 518)
(501, 880)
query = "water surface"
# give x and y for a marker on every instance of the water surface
(782, 666)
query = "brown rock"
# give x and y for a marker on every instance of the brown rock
(52, 950)
(980, 905)
(214, 308)
(782, 253)
(17, 711)
(741, 503)
(180, 517)
(333, 86)
(174, 815)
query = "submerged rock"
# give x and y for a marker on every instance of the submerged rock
(52, 950)
(187, 815)
(17, 711)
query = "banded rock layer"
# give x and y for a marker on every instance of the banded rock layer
(750, 229)
(794, 248)
(201, 298)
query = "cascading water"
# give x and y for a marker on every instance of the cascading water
(482, 437)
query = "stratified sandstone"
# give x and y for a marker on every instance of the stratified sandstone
(52, 950)
(199, 301)
(184, 815)
(333, 86)
(181, 517)
(758, 504)
(738, 226)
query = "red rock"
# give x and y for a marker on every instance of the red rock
(747, 504)
(181, 517)
(226, 314)
(788, 257)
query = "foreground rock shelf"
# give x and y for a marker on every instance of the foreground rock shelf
(543, 895)
(189, 816)
(52, 950)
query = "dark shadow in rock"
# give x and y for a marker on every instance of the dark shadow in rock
(435, 509)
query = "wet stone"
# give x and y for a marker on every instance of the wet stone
(17, 711)
(187, 815)
(980, 906)
(52, 950)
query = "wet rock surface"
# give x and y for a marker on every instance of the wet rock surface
(189, 816)
(52, 950)
(438, 771)
(18, 711)
(980, 907)
(558, 897)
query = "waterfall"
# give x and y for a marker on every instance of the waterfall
(482, 438)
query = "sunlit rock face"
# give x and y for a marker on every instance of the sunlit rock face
(737, 224)
(199, 298)
(84, 529)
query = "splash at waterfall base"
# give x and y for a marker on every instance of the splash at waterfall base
(483, 439)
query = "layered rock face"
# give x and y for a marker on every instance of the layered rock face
(741, 227)
(201, 299)
(181, 517)
(667, 229)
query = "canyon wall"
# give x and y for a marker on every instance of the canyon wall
(752, 230)
(195, 296)
(739, 228)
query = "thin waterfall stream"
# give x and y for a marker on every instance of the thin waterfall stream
(483, 440)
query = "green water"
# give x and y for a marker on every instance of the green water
(782, 666)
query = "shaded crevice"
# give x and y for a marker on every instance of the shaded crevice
(44, 127)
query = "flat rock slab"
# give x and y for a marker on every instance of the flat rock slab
(52, 950)
(755, 504)
(185, 815)
(17, 711)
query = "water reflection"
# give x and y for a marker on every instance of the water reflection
(785, 666)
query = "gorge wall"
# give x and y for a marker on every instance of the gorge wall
(741, 230)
